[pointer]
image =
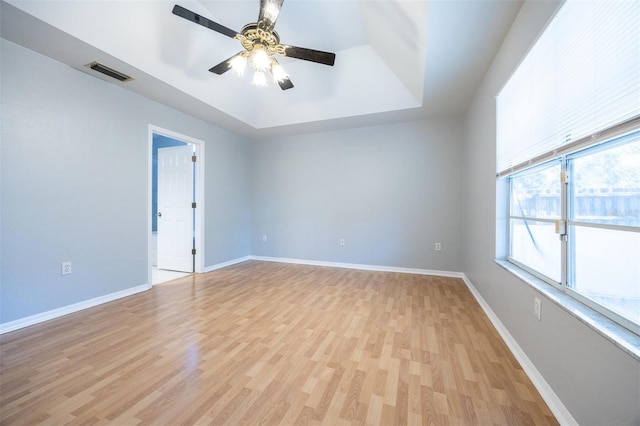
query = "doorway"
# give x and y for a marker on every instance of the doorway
(175, 205)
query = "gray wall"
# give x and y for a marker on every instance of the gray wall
(391, 192)
(74, 167)
(598, 383)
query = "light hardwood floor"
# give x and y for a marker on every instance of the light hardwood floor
(267, 343)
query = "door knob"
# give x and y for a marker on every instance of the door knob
(159, 214)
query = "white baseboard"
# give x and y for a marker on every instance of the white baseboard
(556, 406)
(360, 266)
(65, 310)
(225, 264)
(69, 309)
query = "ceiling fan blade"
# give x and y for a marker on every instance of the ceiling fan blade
(269, 11)
(317, 56)
(285, 84)
(201, 20)
(223, 66)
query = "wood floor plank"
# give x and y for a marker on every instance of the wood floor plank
(267, 343)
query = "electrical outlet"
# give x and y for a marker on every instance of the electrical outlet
(537, 308)
(264, 238)
(343, 242)
(66, 268)
(438, 247)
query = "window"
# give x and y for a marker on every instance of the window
(604, 225)
(600, 230)
(535, 208)
(568, 141)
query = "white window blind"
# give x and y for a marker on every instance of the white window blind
(581, 77)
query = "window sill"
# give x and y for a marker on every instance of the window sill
(616, 334)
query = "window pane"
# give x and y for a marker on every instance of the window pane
(606, 186)
(607, 268)
(536, 245)
(537, 194)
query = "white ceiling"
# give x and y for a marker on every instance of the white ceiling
(396, 60)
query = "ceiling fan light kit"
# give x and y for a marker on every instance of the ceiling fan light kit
(259, 78)
(261, 43)
(279, 74)
(238, 64)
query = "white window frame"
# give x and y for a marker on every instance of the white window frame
(567, 249)
(567, 260)
(547, 164)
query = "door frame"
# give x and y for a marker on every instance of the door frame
(199, 181)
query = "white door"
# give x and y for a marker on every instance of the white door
(175, 212)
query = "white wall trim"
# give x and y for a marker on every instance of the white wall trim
(360, 266)
(225, 264)
(556, 406)
(69, 309)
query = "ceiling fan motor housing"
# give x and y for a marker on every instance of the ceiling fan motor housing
(252, 35)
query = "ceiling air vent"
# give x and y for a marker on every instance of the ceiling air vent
(97, 66)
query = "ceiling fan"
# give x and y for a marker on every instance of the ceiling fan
(261, 43)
